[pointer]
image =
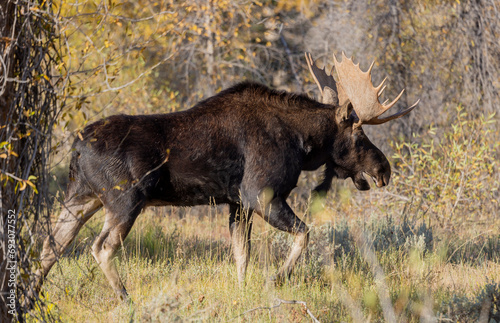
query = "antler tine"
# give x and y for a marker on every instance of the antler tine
(384, 107)
(394, 116)
(370, 68)
(363, 95)
(310, 64)
(381, 84)
(323, 81)
(387, 107)
(381, 91)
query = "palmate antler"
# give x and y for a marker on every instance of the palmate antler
(363, 95)
(356, 86)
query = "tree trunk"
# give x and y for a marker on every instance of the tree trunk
(7, 12)
(28, 110)
(209, 54)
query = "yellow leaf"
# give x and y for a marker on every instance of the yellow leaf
(32, 186)
(22, 185)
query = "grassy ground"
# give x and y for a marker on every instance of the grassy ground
(177, 265)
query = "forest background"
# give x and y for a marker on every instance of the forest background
(434, 230)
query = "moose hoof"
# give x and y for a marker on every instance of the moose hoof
(124, 297)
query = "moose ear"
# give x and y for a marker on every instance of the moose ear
(344, 111)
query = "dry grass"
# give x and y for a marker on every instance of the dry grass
(177, 264)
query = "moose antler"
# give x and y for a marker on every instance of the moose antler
(331, 91)
(363, 96)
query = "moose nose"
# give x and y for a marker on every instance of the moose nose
(382, 179)
(380, 182)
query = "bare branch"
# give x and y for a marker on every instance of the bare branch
(289, 57)
(279, 302)
(134, 80)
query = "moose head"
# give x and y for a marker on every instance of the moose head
(358, 103)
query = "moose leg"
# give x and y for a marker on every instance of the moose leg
(240, 227)
(115, 229)
(279, 214)
(76, 212)
(328, 176)
(72, 218)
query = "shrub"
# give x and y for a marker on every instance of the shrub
(484, 307)
(455, 177)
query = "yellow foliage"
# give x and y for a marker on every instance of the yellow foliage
(454, 177)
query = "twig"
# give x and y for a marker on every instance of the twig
(109, 88)
(466, 242)
(256, 309)
(5, 77)
(280, 301)
(397, 196)
(289, 57)
(379, 277)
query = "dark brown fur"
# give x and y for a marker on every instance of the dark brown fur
(231, 148)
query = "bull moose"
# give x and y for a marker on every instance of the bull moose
(245, 146)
